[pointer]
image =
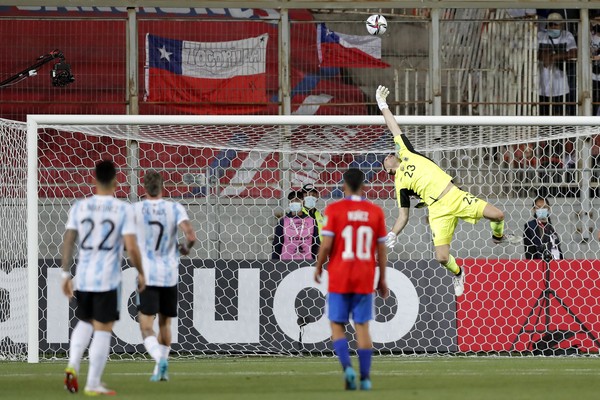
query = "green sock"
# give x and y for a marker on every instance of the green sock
(452, 266)
(497, 228)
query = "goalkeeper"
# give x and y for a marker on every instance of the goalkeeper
(416, 175)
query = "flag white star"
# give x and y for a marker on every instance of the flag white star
(164, 53)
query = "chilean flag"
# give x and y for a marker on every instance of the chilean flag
(348, 51)
(211, 77)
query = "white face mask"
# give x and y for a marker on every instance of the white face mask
(554, 33)
(295, 207)
(310, 201)
(542, 213)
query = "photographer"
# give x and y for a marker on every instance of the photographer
(539, 236)
(296, 235)
(556, 47)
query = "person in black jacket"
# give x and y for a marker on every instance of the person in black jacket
(539, 235)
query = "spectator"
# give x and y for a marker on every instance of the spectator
(539, 235)
(570, 14)
(311, 196)
(556, 46)
(296, 235)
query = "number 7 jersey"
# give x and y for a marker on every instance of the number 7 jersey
(157, 222)
(100, 222)
(357, 226)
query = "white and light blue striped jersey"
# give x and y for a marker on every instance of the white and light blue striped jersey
(157, 222)
(100, 222)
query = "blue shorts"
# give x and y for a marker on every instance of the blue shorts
(340, 305)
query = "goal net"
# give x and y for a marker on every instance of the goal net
(233, 175)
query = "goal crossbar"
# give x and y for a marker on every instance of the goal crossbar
(418, 120)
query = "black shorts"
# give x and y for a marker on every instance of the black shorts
(158, 300)
(98, 306)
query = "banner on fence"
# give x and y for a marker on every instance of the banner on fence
(258, 307)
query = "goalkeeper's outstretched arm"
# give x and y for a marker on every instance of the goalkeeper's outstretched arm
(381, 95)
(401, 221)
(399, 225)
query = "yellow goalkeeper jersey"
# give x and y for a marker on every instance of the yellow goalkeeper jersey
(417, 174)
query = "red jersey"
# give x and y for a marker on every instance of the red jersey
(356, 225)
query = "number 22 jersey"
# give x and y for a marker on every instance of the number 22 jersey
(100, 222)
(357, 226)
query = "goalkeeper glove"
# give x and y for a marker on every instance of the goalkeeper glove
(380, 95)
(390, 240)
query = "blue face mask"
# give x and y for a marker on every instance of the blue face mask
(295, 207)
(554, 33)
(542, 213)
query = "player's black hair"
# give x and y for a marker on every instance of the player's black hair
(296, 194)
(153, 183)
(354, 178)
(105, 172)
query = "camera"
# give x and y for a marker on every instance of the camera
(61, 74)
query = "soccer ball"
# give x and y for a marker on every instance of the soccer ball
(376, 24)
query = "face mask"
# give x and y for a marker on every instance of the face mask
(554, 33)
(310, 201)
(295, 207)
(542, 213)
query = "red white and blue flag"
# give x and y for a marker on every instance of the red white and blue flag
(348, 51)
(207, 77)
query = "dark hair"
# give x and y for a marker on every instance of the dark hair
(309, 188)
(542, 199)
(153, 183)
(354, 178)
(105, 172)
(296, 194)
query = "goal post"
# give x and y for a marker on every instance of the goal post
(32, 244)
(231, 173)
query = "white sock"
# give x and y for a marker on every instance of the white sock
(165, 351)
(99, 350)
(153, 348)
(80, 338)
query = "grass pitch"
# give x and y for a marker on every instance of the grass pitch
(395, 378)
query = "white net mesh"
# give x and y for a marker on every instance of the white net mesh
(13, 240)
(347, 135)
(233, 180)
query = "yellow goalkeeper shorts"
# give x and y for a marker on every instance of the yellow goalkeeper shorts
(444, 214)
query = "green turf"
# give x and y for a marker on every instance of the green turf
(395, 378)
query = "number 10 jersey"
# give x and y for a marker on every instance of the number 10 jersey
(356, 225)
